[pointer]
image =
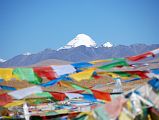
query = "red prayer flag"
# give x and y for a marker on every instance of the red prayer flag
(45, 72)
(97, 77)
(58, 95)
(101, 95)
(4, 99)
(142, 74)
(140, 57)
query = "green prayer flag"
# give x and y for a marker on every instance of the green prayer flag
(115, 64)
(118, 59)
(44, 94)
(27, 74)
(78, 87)
(81, 88)
(38, 101)
(124, 74)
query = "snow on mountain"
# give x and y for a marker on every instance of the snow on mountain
(27, 53)
(2, 60)
(107, 44)
(79, 54)
(80, 39)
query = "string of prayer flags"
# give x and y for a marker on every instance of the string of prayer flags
(97, 94)
(106, 60)
(141, 74)
(27, 74)
(140, 57)
(144, 55)
(84, 75)
(45, 72)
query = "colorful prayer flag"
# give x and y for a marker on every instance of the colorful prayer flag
(27, 74)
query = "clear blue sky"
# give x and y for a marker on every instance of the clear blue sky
(33, 25)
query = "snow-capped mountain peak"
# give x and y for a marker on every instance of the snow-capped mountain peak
(80, 39)
(27, 53)
(107, 44)
(2, 60)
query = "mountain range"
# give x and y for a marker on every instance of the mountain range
(81, 48)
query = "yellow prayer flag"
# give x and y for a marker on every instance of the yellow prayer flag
(100, 61)
(113, 75)
(6, 73)
(65, 84)
(84, 75)
(14, 103)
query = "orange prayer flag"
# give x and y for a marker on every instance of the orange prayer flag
(101, 95)
(58, 95)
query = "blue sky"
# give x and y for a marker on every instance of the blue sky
(33, 25)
